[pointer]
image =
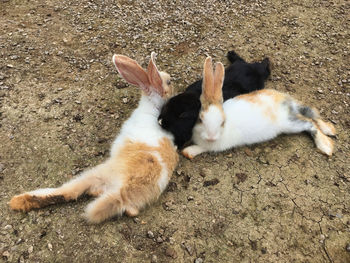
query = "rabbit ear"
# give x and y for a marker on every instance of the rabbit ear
(208, 79)
(219, 75)
(154, 76)
(132, 72)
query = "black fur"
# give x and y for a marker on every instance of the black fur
(180, 113)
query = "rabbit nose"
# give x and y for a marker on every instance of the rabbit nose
(211, 138)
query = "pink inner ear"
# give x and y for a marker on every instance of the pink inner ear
(154, 76)
(132, 72)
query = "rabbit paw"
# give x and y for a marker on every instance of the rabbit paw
(192, 151)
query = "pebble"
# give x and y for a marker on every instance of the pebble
(205, 172)
(49, 246)
(170, 252)
(159, 240)
(7, 227)
(30, 249)
(199, 260)
(348, 247)
(248, 152)
(150, 234)
(190, 198)
(154, 259)
(6, 254)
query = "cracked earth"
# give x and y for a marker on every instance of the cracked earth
(62, 103)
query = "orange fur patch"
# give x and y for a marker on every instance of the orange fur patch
(27, 202)
(255, 96)
(141, 171)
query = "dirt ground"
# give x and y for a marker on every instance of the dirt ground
(62, 104)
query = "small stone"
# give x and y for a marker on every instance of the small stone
(7, 227)
(30, 249)
(78, 102)
(9, 65)
(159, 240)
(198, 260)
(248, 152)
(154, 259)
(204, 172)
(150, 234)
(6, 254)
(170, 252)
(348, 247)
(190, 198)
(320, 91)
(171, 240)
(49, 246)
(125, 100)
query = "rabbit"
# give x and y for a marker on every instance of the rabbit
(142, 158)
(180, 113)
(251, 118)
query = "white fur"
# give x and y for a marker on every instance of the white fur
(254, 121)
(142, 126)
(42, 192)
(212, 120)
(245, 124)
(164, 175)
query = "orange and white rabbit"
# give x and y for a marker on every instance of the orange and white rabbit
(251, 118)
(141, 161)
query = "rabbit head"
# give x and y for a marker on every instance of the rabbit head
(211, 117)
(152, 82)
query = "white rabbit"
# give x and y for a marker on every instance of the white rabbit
(251, 118)
(141, 162)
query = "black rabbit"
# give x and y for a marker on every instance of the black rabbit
(180, 113)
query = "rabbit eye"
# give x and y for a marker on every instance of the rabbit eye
(222, 124)
(168, 82)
